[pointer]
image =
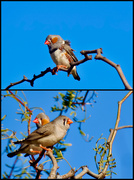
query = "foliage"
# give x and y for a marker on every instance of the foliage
(70, 101)
(101, 151)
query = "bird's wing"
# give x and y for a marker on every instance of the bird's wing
(69, 50)
(43, 131)
(23, 146)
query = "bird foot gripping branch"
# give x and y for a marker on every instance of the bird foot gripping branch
(47, 149)
(56, 69)
(34, 151)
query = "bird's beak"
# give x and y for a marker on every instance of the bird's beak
(47, 42)
(69, 121)
(36, 120)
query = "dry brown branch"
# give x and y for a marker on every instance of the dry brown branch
(122, 127)
(40, 168)
(53, 71)
(18, 82)
(112, 135)
(83, 52)
(85, 170)
(68, 175)
(116, 66)
(28, 80)
(111, 138)
(52, 174)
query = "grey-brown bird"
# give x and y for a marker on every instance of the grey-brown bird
(30, 149)
(49, 134)
(61, 53)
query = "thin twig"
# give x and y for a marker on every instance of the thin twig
(13, 167)
(72, 64)
(29, 121)
(112, 136)
(122, 127)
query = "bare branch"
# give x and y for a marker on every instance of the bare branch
(40, 168)
(18, 82)
(116, 66)
(49, 70)
(28, 80)
(112, 135)
(102, 174)
(85, 170)
(72, 64)
(52, 174)
(68, 175)
(127, 126)
(13, 167)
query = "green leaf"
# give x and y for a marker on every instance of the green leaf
(4, 130)
(8, 166)
(23, 171)
(29, 175)
(95, 149)
(16, 92)
(73, 112)
(82, 133)
(113, 166)
(62, 95)
(3, 117)
(63, 149)
(67, 144)
(25, 103)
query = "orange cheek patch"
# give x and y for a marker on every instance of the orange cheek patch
(54, 40)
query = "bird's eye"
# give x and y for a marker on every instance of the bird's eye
(64, 120)
(41, 119)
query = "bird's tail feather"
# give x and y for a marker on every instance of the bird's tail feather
(75, 75)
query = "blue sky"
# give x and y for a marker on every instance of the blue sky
(88, 25)
(103, 116)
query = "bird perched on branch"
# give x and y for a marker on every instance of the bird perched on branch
(30, 149)
(61, 53)
(49, 134)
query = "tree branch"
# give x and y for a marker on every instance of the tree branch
(40, 168)
(52, 174)
(122, 127)
(53, 71)
(67, 175)
(13, 167)
(72, 64)
(116, 66)
(29, 121)
(110, 140)
(85, 170)
(112, 136)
